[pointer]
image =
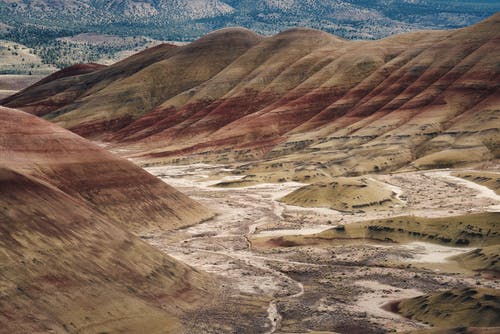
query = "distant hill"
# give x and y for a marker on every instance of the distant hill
(19, 59)
(348, 18)
(303, 100)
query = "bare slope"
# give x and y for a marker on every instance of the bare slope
(65, 268)
(113, 186)
(68, 262)
(457, 307)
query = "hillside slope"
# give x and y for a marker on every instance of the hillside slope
(419, 100)
(114, 187)
(68, 263)
(453, 308)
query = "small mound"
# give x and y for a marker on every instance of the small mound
(344, 194)
(284, 174)
(457, 307)
(452, 158)
(480, 230)
(236, 184)
(482, 259)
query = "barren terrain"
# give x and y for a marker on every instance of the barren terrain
(340, 286)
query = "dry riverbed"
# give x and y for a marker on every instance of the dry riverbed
(340, 288)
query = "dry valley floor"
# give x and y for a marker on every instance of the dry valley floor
(263, 248)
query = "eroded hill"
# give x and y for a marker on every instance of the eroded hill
(68, 262)
(300, 99)
(114, 187)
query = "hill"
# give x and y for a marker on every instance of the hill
(302, 99)
(116, 188)
(69, 263)
(457, 307)
(19, 59)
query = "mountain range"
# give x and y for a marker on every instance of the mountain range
(53, 30)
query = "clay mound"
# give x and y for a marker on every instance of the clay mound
(477, 230)
(475, 307)
(417, 100)
(343, 194)
(486, 259)
(68, 262)
(283, 174)
(116, 188)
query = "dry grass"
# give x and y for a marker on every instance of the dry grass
(18, 58)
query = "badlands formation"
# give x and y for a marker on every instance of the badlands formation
(418, 100)
(71, 257)
(334, 187)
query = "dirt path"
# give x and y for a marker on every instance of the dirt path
(481, 191)
(296, 280)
